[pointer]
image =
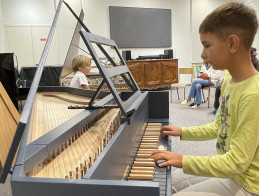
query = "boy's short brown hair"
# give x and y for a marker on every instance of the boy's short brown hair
(232, 18)
(80, 61)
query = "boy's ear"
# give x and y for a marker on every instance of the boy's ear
(233, 43)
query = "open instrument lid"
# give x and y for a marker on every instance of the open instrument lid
(9, 120)
(127, 107)
(25, 116)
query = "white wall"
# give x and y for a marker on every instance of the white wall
(28, 12)
(200, 9)
(27, 22)
(255, 5)
(2, 32)
(21, 19)
(97, 20)
(27, 25)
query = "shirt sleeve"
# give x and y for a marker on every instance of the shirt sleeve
(83, 80)
(215, 75)
(201, 133)
(243, 145)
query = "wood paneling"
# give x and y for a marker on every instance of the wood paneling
(154, 74)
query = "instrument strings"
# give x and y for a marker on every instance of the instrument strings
(48, 112)
(77, 154)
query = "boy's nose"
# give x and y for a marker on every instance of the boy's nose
(203, 56)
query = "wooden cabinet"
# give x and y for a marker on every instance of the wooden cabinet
(154, 74)
(137, 70)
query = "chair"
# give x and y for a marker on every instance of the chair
(181, 85)
(208, 97)
(196, 70)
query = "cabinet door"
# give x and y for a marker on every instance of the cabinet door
(137, 71)
(169, 72)
(152, 73)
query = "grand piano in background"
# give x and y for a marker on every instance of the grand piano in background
(83, 142)
(9, 75)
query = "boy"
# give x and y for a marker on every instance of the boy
(227, 35)
(80, 65)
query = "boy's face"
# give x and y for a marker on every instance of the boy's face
(85, 69)
(214, 51)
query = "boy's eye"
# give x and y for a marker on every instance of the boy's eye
(206, 46)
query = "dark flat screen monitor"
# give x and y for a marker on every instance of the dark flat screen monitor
(133, 27)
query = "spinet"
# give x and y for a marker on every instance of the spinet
(107, 173)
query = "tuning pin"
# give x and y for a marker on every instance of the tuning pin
(77, 172)
(104, 142)
(82, 173)
(71, 174)
(90, 161)
(49, 157)
(95, 155)
(85, 169)
(66, 144)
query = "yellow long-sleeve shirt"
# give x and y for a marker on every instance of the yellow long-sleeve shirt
(236, 128)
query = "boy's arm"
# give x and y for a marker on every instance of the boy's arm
(201, 133)
(85, 86)
(243, 145)
(84, 82)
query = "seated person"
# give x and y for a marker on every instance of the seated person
(207, 77)
(218, 92)
(81, 66)
(254, 59)
(217, 96)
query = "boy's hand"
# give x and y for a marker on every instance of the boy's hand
(170, 158)
(171, 130)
